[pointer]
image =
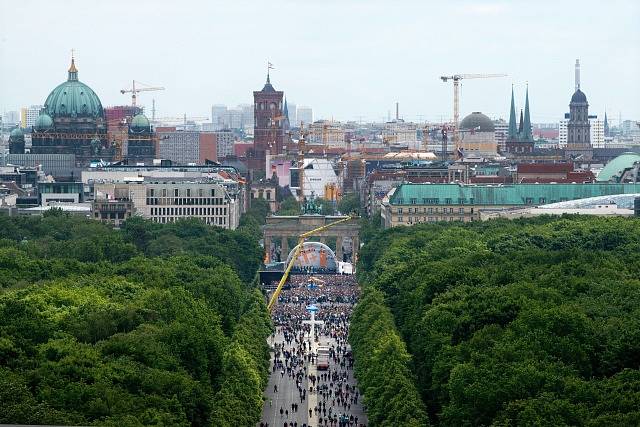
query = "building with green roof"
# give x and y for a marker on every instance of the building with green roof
(415, 203)
(623, 168)
(72, 122)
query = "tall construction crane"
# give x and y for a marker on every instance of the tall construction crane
(134, 90)
(456, 99)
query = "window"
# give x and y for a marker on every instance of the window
(430, 210)
(461, 211)
(400, 219)
(188, 192)
(529, 200)
(413, 200)
(399, 210)
(175, 192)
(542, 200)
(447, 201)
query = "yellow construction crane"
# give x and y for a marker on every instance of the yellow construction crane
(134, 90)
(301, 239)
(456, 99)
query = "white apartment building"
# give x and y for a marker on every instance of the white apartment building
(596, 132)
(29, 115)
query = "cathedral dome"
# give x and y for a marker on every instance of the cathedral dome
(73, 99)
(43, 123)
(139, 124)
(478, 122)
(16, 134)
(579, 96)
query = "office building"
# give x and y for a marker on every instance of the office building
(167, 200)
(304, 115)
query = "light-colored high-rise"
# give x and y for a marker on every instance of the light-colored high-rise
(29, 115)
(304, 115)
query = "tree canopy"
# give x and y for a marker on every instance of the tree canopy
(143, 326)
(527, 322)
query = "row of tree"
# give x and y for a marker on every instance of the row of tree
(382, 366)
(150, 325)
(527, 322)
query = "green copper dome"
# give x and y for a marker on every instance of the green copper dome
(73, 99)
(43, 123)
(139, 124)
(16, 134)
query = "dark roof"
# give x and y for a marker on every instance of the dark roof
(478, 122)
(579, 96)
(545, 167)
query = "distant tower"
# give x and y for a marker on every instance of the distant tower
(606, 125)
(268, 127)
(578, 128)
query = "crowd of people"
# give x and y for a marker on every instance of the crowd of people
(315, 397)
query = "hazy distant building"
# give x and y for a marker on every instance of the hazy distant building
(10, 118)
(293, 114)
(304, 115)
(218, 116)
(29, 115)
(596, 132)
(578, 127)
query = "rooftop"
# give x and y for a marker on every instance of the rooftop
(500, 195)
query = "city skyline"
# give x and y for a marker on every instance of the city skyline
(389, 52)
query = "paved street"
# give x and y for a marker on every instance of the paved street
(306, 397)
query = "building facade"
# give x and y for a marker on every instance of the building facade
(224, 141)
(410, 204)
(165, 201)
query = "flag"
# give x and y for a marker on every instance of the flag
(270, 65)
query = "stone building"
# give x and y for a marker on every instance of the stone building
(578, 127)
(72, 122)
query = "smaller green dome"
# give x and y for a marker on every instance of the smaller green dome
(139, 124)
(43, 123)
(16, 134)
(615, 169)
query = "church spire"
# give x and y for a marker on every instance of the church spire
(73, 71)
(526, 135)
(286, 109)
(606, 124)
(513, 131)
(521, 127)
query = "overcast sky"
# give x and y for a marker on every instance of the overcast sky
(348, 59)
